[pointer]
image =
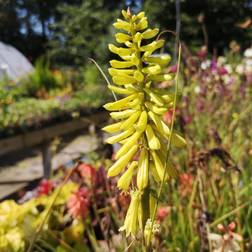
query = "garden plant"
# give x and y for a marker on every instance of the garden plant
(142, 131)
(174, 172)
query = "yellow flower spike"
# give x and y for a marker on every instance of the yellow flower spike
(131, 141)
(121, 163)
(143, 169)
(153, 141)
(125, 180)
(119, 137)
(112, 127)
(139, 113)
(122, 114)
(150, 33)
(130, 121)
(131, 223)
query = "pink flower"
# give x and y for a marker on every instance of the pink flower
(168, 116)
(45, 187)
(185, 184)
(88, 173)
(222, 71)
(163, 212)
(78, 203)
(173, 69)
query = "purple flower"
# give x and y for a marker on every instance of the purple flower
(213, 65)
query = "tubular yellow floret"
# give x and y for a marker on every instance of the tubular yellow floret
(143, 169)
(150, 33)
(120, 104)
(119, 137)
(125, 180)
(122, 25)
(122, 114)
(112, 127)
(121, 163)
(158, 165)
(120, 90)
(142, 123)
(130, 121)
(153, 141)
(124, 79)
(128, 144)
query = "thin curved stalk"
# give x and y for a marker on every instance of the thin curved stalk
(168, 145)
(103, 74)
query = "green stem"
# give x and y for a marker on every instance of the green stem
(104, 75)
(168, 145)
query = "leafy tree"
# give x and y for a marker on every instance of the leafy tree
(25, 23)
(83, 31)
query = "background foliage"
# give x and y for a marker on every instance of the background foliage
(72, 31)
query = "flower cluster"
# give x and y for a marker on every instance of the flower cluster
(140, 128)
(78, 203)
(228, 241)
